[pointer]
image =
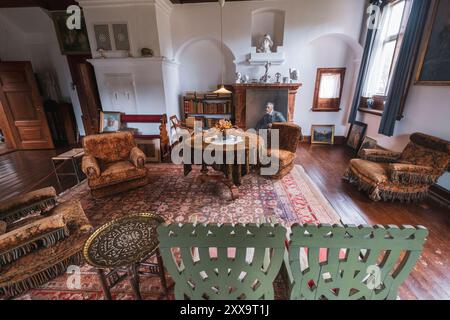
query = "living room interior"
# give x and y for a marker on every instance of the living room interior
(118, 119)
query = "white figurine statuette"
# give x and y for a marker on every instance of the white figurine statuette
(265, 44)
(293, 74)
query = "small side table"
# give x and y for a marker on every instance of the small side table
(122, 246)
(73, 155)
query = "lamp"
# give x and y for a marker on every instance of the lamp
(222, 89)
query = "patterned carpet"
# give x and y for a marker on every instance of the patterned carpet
(294, 199)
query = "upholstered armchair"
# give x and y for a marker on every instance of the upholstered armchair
(39, 239)
(404, 176)
(290, 135)
(113, 163)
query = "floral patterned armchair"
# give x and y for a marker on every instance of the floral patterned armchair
(405, 176)
(113, 163)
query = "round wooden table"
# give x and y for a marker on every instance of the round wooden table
(243, 150)
(122, 246)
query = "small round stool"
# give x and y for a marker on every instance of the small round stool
(122, 246)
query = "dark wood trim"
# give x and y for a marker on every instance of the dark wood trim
(338, 140)
(440, 195)
(332, 104)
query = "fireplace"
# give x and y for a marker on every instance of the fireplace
(250, 100)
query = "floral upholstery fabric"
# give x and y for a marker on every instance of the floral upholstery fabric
(112, 162)
(3, 226)
(30, 232)
(43, 265)
(377, 172)
(290, 136)
(405, 176)
(109, 147)
(35, 201)
(117, 172)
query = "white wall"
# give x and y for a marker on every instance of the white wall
(427, 110)
(336, 24)
(27, 34)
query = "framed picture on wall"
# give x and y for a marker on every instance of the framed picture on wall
(434, 58)
(322, 134)
(356, 135)
(109, 121)
(102, 37)
(70, 41)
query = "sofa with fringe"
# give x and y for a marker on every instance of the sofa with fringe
(405, 176)
(41, 259)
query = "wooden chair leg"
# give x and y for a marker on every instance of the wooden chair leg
(133, 276)
(162, 274)
(104, 283)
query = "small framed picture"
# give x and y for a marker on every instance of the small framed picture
(368, 143)
(151, 148)
(356, 135)
(102, 37)
(109, 121)
(322, 134)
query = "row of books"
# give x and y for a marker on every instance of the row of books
(206, 95)
(199, 107)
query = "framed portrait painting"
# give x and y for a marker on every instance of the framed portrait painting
(434, 58)
(322, 134)
(356, 135)
(70, 41)
(109, 121)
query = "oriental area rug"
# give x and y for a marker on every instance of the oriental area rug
(294, 199)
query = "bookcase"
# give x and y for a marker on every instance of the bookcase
(209, 107)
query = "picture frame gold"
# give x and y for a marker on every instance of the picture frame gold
(425, 47)
(326, 137)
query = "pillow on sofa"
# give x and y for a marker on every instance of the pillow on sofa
(30, 237)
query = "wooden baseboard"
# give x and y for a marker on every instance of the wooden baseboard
(440, 195)
(337, 139)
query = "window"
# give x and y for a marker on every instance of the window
(328, 91)
(384, 55)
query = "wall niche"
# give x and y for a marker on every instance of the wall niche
(271, 22)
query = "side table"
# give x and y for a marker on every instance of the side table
(74, 156)
(122, 246)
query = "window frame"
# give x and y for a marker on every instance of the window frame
(328, 104)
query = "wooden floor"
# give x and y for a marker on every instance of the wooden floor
(28, 170)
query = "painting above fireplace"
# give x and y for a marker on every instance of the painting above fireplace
(257, 100)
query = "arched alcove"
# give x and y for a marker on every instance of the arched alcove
(268, 21)
(201, 65)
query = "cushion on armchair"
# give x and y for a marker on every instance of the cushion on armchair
(30, 237)
(375, 171)
(37, 201)
(378, 155)
(117, 172)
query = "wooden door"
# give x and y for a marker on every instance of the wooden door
(91, 106)
(83, 77)
(22, 106)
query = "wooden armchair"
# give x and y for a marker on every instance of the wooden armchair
(405, 176)
(224, 262)
(113, 163)
(351, 263)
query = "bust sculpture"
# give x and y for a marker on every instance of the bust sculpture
(265, 44)
(293, 73)
(238, 77)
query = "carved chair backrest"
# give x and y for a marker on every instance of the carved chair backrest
(352, 263)
(225, 262)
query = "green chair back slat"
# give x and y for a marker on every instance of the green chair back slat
(390, 251)
(225, 278)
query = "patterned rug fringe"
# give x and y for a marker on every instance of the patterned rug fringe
(45, 241)
(39, 207)
(41, 278)
(377, 194)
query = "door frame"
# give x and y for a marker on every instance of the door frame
(6, 129)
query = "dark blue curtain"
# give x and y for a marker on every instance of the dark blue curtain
(405, 66)
(365, 61)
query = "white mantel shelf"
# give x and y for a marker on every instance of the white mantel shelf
(129, 61)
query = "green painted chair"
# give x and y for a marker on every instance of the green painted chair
(225, 262)
(350, 262)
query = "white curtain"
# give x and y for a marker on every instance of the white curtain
(330, 86)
